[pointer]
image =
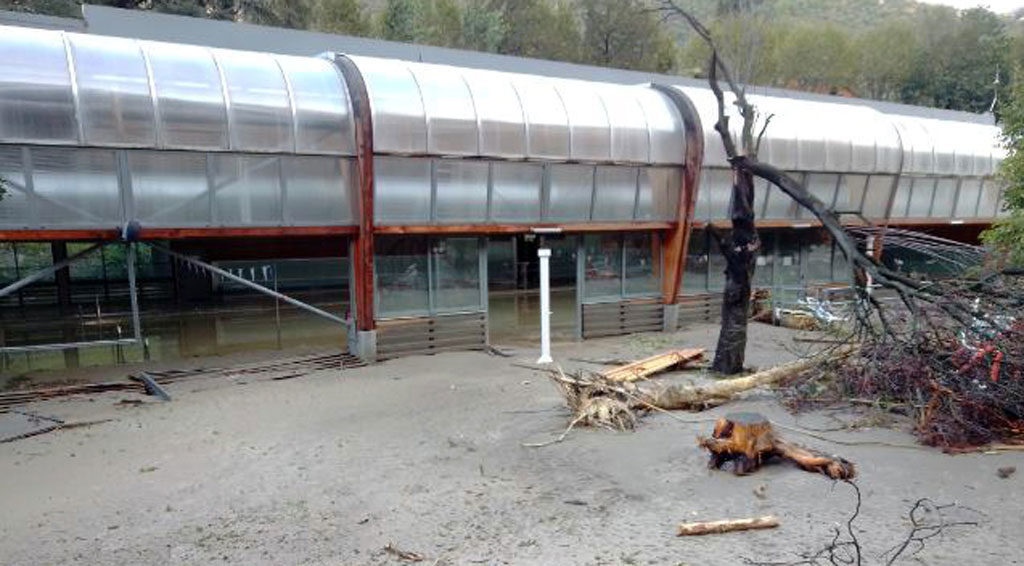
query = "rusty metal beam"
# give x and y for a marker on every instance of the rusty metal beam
(525, 228)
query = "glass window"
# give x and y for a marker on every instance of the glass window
(921, 197)
(818, 247)
(402, 190)
(261, 115)
(247, 190)
(695, 279)
(876, 198)
(658, 198)
(643, 263)
(321, 190)
(570, 194)
(191, 103)
(967, 199)
(501, 264)
(787, 265)
(840, 266)
(615, 196)
(76, 187)
(515, 196)
(461, 190)
(851, 193)
(765, 261)
(945, 192)
(113, 90)
(400, 270)
(603, 265)
(823, 187)
(15, 208)
(761, 190)
(170, 188)
(457, 269)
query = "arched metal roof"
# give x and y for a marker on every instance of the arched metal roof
(423, 109)
(75, 89)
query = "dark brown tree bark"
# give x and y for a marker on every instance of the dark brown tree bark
(739, 247)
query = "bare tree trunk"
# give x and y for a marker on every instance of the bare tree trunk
(740, 249)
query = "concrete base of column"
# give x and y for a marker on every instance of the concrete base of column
(670, 318)
(363, 344)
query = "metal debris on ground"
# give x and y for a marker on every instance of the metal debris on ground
(152, 387)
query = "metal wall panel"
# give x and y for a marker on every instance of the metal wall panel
(461, 194)
(590, 135)
(664, 126)
(945, 194)
(450, 110)
(547, 126)
(570, 193)
(630, 135)
(399, 119)
(16, 209)
(191, 107)
(247, 190)
(658, 197)
(967, 199)
(113, 90)
(258, 102)
(76, 188)
(402, 190)
(320, 191)
(170, 188)
(615, 193)
(516, 190)
(500, 118)
(323, 112)
(36, 103)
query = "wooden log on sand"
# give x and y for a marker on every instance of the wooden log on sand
(727, 526)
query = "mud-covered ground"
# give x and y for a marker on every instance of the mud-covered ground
(426, 453)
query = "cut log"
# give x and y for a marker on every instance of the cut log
(641, 369)
(727, 526)
(748, 440)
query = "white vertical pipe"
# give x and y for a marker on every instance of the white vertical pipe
(545, 307)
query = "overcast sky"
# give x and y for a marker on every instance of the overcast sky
(1001, 6)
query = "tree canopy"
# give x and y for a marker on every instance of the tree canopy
(1007, 235)
(897, 50)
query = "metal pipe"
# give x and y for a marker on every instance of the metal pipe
(133, 293)
(246, 283)
(545, 307)
(28, 280)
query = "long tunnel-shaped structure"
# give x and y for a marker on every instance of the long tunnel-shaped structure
(435, 183)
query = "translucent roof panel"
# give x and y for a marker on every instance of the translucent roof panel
(60, 88)
(941, 147)
(419, 108)
(36, 101)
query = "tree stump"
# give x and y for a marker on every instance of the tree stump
(748, 440)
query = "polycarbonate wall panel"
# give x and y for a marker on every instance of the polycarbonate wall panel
(499, 115)
(259, 108)
(570, 193)
(967, 198)
(192, 113)
(399, 121)
(823, 187)
(945, 195)
(589, 137)
(36, 104)
(658, 197)
(320, 191)
(247, 190)
(76, 188)
(988, 204)
(402, 191)
(515, 194)
(851, 193)
(615, 193)
(876, 199)
(113, 90)
(323, 114)
(546, 121)
(630, 137)
(461, 191)
(15, 206)
(921, 197)
(170, 188)
(901, 199)
(450, 111)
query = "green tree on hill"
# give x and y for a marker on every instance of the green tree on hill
(1006, 236)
